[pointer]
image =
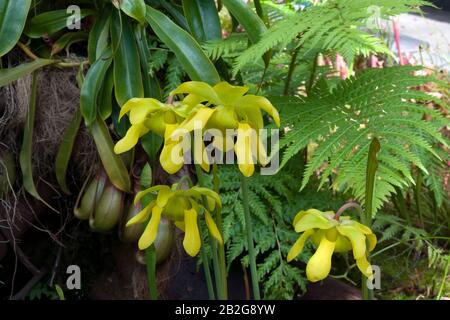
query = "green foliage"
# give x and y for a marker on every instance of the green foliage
(268, 198)
(273, 203)
(396, 231)
(174, 75)
(375, 103)
(43, 290)
(335, 26)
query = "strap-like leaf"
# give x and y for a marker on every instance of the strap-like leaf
(12, 74)
(127, 70)
(13, 15)
(187, 50)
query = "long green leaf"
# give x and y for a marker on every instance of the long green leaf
(13, 15)
(49, 22)
(92, 85)
(252, 24)
(203, 19)
(112, 163)
(127, 70)
(99, 35)
(12, 74)
(134, 8)
(65, 151)
(176, 12)
(104, 99)
(25, 157)
(150, 83)
(188, 51)
(67, 40)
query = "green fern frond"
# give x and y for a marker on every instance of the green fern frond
(376, 103)
(158, 57)
(174, 75)
(228, 47)
(335, 26)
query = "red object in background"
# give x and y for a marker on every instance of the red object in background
(397, 41)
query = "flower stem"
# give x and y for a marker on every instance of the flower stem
(150, 257)
(291, 69)
(251, 248)
(218, 258)
(366, 216)
(346, 206)
(207, 271)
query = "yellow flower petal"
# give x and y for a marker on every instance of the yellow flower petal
(311, 221)
(243, 149)
(261, 103)
(156, 122)
(222, 143)
(251, 115)
(372, 241)
(363, 228)
(142, 215)
(199, 117)
(151, 230)
(175, 207)
(342, 243)
(198, 155)
(224, 118)
(163, 197)
(298, 216)
(229, 94)
(130, 139)
(319, 265)
(147, 105)
(200, 89)
(356, 237)
(193, 100)
(262, 154)
(192, 241)
(209, 194)
(171, 158)
(213, 230)
(364, 266)
(298, 245)
(142, 193)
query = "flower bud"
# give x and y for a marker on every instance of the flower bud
(108, 209)
(132, 233)
(89, 197)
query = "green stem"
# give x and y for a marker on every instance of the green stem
(150, 257)
(444, 279)
(312, 76)
(366, 217)
(251, 248)
(221, 246)
(218, 259)
(207, 271)
(401, 203)
(291, 69)
(417, 193)
(260, 12)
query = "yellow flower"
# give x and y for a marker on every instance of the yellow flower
(233, 110)
(172, 154)
(331, 235)
(182, 207)
(232, 104)
(148, 114)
